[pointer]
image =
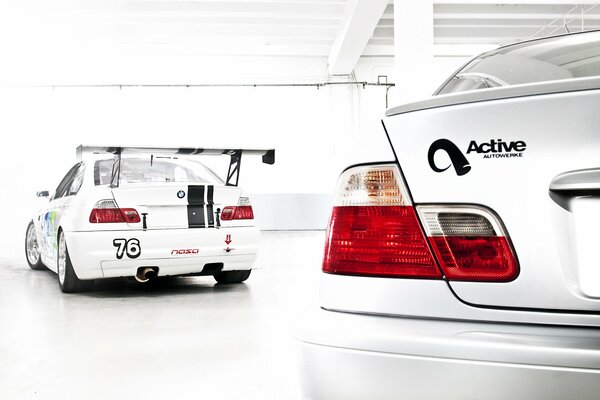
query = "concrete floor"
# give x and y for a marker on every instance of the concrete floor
(175, 338)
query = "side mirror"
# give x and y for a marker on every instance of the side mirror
(43, 193)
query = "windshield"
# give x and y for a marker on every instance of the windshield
(551, 59)
(155, 169)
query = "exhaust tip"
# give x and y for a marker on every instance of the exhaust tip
(144, 274)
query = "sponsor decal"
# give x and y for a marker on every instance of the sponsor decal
(50, 229)
(458, 160)
(131, 247)
(495, 148)
(177, 252)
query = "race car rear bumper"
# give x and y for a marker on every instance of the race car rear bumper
(94, 255)
(350, 356)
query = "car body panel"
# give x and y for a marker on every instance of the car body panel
(95, 254)
(350, 356)
(551, 346)
(165, 209)
(427, 298)
(540, 227)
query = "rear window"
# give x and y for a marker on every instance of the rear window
(551, 59)
(157, 169)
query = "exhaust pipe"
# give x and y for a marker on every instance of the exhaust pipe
(144, 274)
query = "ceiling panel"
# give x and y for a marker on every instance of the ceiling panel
(507, 23)
(261, 27)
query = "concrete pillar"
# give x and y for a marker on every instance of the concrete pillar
(413, 50)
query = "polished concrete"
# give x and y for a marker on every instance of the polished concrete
(172, 338)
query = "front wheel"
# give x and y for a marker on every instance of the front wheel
(67, 278)
(232, 276)
(32, 249)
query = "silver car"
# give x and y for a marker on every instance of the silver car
(466, 267)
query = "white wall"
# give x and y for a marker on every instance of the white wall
(317, 132)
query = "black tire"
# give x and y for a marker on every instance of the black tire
(71, 283)
(232, 276)
(33, 263)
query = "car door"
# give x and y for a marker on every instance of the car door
(50, 215)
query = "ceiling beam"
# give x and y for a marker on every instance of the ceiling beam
(519, 2)
(358, 23)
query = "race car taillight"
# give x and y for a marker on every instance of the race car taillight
(470, 243)
(374, 230)
(106, 211)
(242, 211)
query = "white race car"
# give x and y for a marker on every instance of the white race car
(145, 212)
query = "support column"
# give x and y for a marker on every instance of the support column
(413, 50)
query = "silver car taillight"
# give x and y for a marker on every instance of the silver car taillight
(374, 230)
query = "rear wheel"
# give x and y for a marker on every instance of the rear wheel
(67, 278)
(232, 276)
(32, 249)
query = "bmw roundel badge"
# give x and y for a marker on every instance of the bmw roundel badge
(181, 194)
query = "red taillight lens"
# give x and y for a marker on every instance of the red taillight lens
(106, 215)
(374, 230)
(378, 241)
(469, 243)
(239, 212)
(106, 211)
(131, 215)
(227, 213)
(475, 258)
(242, 211)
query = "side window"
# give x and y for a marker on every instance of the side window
(103, 171)
(77, 181)
(67, 181)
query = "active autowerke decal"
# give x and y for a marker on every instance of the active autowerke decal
(495, 148)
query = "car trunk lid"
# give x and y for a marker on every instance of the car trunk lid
(171, 205)
(520, 157)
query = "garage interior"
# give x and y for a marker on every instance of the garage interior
(310, 78)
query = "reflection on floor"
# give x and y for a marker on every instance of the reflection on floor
(173, 338)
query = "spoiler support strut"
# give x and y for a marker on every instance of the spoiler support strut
(116, 169)
(234, 168)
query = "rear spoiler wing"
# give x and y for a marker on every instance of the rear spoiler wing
(268, 157)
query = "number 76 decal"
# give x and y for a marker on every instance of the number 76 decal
(131, 247)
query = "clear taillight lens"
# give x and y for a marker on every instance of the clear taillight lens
(374, 230)
(470, 243)
(106, 211)
(375, 185)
